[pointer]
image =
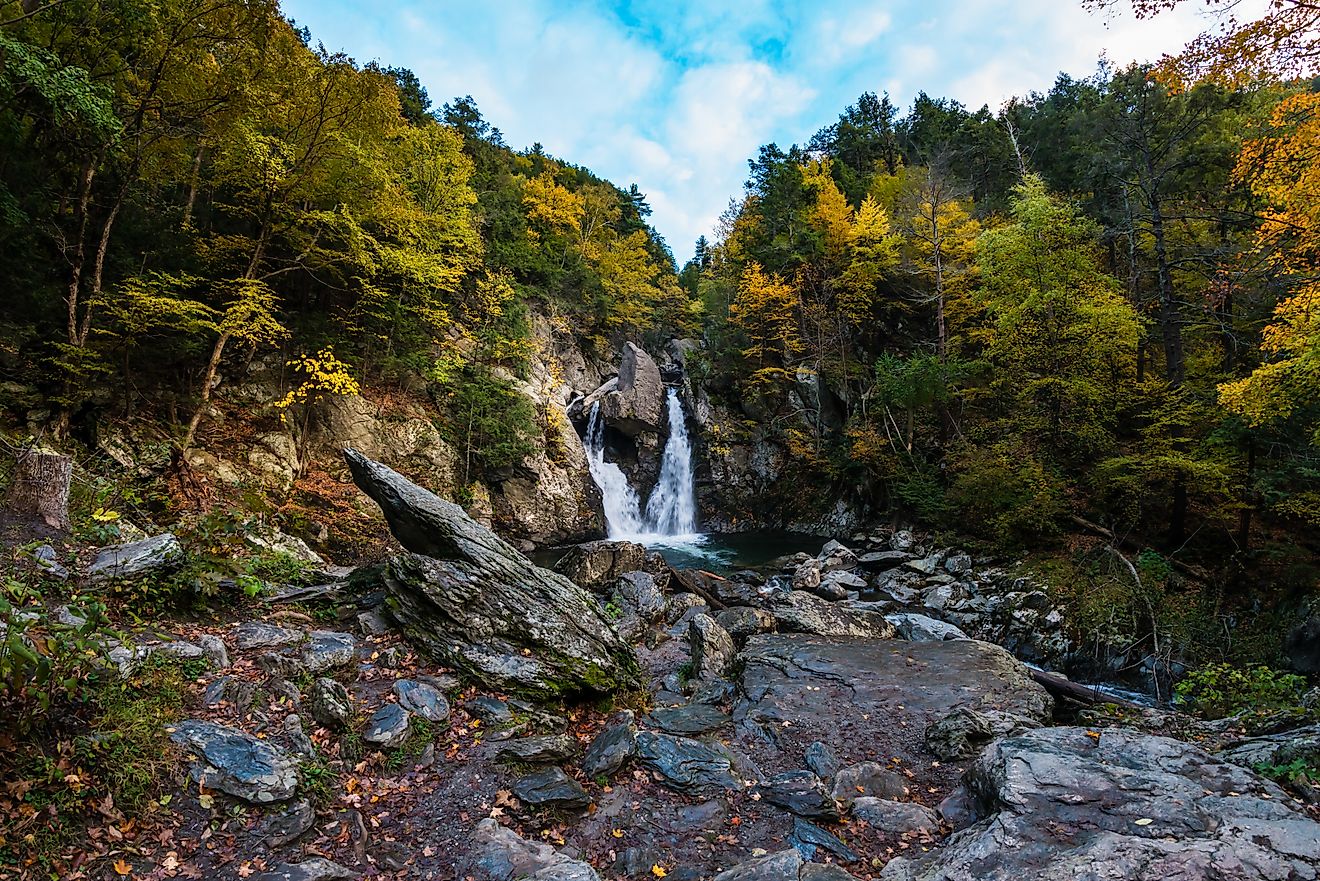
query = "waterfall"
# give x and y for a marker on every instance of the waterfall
(672, 508)
(623, 513)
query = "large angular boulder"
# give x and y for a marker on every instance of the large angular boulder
(502, 855)
(635, 402)
(1062, 803)
(474, 602)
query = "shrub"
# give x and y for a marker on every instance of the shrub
(1006, 493)
(1219, 690)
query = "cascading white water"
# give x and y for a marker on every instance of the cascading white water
(623, 515)
(672, 508)
(671, 511)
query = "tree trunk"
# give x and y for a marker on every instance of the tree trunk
(40, 490)
(208, 380)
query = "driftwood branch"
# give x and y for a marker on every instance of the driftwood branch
(1196, 573)
(1085, 694)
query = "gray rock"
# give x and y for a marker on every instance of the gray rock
(544, 749)
(686, 765)
(636, 404)
(922, 628)
(159, 553)
(824, 872)
(1275, 750)
(251, 635)
(926, 565)
(599, 564)
(326, 650)
(180, 650)
(213, 647)
(782, 866)
(422, 699)
(801, 793)
(868, 779)
(835, 556)
(612, 747)
(640, 592)
(389, 726)
(373, 622)
(902, 540)
(288, 825)
(688, 719)
(330, 704)
(314, 869)
(474, 602)
(808, 838)
(551, 788)
(490, 710)
(822, 760)
(882, 561)
(237, 763)
(502, 855)
(897, 817)
(807, 575)
(1060, 803)
(49, 563)
(712, 648)
(964, 732)
(800, 612)
(838, 585)
(741, 622)
(302, 744)
(958, 563)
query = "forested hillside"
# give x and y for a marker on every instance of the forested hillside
(317, 399)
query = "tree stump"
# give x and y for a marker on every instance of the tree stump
(40, 490)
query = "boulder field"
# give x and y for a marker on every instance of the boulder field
(491, 720)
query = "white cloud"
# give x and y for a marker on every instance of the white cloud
(676, 97)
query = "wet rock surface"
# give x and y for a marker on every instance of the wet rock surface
(237, 763)
(1058, 802)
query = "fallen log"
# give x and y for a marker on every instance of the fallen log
(694, 581)
(1059, 686)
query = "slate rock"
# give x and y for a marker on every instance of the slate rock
(922, 628)
(599, 564)
(389, 726)
(474, 602)
(883, 561)
(712, 648)
(159, 553)
(288, 825)
(868, 779)
(293, 730)
(640, 592)
(897, 817)
(741, 622)
(314, 869)
(836, 556)
(612, 747)
(237, 763)
(48, 561)
(684, 764)
(490, 710)
(809, 838)
(965, 731)
(501, 854)
(251, 635)
(688, 719)
(551, 788)
(330, 704)
(213, 647)
(782, 866)
(422, 699)
(822, 760)
(539, 750)
(801, 793)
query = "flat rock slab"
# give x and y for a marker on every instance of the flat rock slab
(684, 764)
(540, 749)
(869, 699)
(689, 719)
(551, 788)
(1058, 803)
(237, 763)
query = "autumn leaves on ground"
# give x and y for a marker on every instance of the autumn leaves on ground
(1078, 335)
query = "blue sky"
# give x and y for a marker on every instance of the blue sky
(676, 96)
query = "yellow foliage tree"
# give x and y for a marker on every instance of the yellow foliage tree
(764, 313)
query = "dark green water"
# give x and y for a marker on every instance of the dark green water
(716, 552)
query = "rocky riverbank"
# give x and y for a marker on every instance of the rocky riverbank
(481, 718)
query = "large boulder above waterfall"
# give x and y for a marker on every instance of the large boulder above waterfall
(634, 402)
(476, 603)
